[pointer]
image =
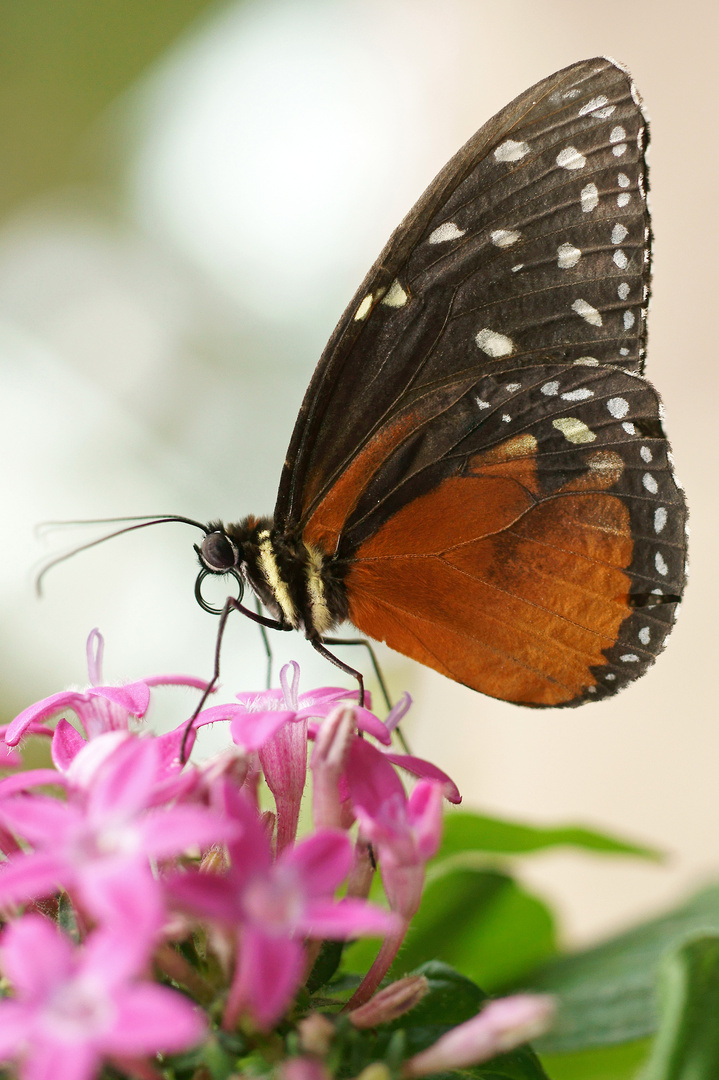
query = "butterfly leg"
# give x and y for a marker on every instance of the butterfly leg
(317, 644)
(373, 657)
(230, 605)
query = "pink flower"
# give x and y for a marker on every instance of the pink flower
(501, 1026)
(405, 834)
(98, 844)
(275, 724)
(76, 1007)
(99, 708)
(272, 906)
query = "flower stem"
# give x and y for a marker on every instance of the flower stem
(380, 967)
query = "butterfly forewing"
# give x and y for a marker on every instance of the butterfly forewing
(532, 244)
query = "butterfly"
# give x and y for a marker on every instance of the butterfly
(478, 475)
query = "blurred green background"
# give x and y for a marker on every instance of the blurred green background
(189, 194)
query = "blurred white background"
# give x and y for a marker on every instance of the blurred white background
(161, 313)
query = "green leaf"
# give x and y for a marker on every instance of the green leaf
(605, 1063)
(482, 923)
(687, 1044)
(325, 966)
(465, 832)
(451, 999)
(607, 994)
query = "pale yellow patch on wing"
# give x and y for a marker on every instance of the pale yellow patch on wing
(573, 430)
(364, 309)
(396, 296)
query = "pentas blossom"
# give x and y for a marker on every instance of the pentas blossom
(98, 708)
(274, 724)
(75, 1007)
(179, 868)
(272, 905)
(100, 841)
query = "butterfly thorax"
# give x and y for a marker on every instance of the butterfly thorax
(297, 583)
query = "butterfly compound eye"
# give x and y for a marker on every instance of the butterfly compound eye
(218, 553)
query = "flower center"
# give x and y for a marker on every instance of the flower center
(78, 1010)
(275, 902)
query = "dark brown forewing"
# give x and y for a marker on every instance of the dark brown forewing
(528, 539)
(532, 244)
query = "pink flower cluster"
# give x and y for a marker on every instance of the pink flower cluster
(130, 851)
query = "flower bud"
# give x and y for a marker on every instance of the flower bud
(329, 759)
(386, 1005)
(316, 1034)
(500, 1026)
(303, 1068)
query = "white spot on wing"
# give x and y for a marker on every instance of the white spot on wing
(567, 256)
(646, 454)
(587, 361)
(551, 389)
(482, 404)
(619, 149)
(443, 233)
(629, 320)
(660, 563)
(618, 407)
(504, 237)
(620, 260)
(517, 268)
(570, 158)
(512, 387)
(598, 108)
(623, 199)
(363, 310)
(396, 296)
(577, 395)
(629, 658)
(573, 430)
(645, 635)
(618, 233)
(510, 150)
(623, 290)
(623, 180)
(660, 518)
(494, 344)
(506, 417)
(650, 483)
(617, 134)
(629, 427)
(590, 106)
(587, 312)
(589, 197)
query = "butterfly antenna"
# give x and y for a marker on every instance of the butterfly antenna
(141, 522)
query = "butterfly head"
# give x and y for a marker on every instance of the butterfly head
(218, 553)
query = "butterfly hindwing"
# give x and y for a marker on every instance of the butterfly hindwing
(542, 561)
